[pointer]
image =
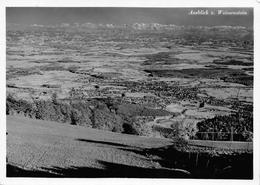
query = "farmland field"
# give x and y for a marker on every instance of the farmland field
(159, 71)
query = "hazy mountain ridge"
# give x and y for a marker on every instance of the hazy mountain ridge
(135, 26)
(205, 33)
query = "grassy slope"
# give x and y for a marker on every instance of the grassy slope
(37, 145)
(45, 148)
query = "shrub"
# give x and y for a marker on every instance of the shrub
(18, 106)
(241, 122)
(184, 130)
(142, 128)
(54, 98)
(75, 116)
(102, 118)
(129, 129)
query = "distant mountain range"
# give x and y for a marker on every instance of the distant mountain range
(135, 26)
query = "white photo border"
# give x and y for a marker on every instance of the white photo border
(133, 3)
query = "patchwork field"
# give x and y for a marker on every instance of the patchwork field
(160, 70)
(126, 97)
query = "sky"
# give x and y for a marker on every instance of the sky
(177, 16)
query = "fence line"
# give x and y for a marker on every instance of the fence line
(227, 136)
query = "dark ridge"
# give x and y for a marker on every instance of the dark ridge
(102, 142)
(226, 74)
(112, 170)
(233, 62)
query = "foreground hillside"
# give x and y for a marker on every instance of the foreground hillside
(42, 148)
